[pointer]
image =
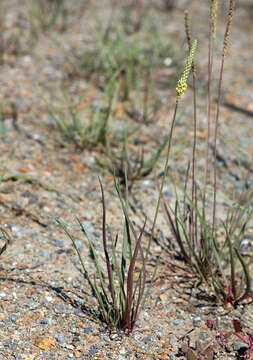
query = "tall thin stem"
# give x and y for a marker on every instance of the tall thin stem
(194, 148)
(210, 52)
(164, 174)
(225, 47)
(180, 90)
(215, 145)
(189, 41)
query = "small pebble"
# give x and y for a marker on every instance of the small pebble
(240, 346)
(248, 236)
(146, 339)
(197, 321)
(93, 350)
(176, 322)
(149, 183)
(171, 342)
(77, 311)
(61, 340)
(72, 330)
(75, 339)
(180, 122)
(43, 253)
(167, 61)
(122, 351)
(137, 336)
(60, 309)
(57, 243)
(18, 232)
(79, 244)
(6, 320)
(244, 245)
(3, 295)
(87, 330)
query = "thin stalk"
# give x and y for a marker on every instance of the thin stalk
(189, 41)
(2, 43)
(225, 46)
(210, 57)
(164, 176)
(147, 90)
(215, 144)
(180, 90)
(194, 146)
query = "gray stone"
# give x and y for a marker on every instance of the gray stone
(57, 243)
(240, 346)
(60, 309)
(87, 330)
(93, 350)
(244, 245)
(79, 244)
(72, 330)
(61, 340)
(196, 321)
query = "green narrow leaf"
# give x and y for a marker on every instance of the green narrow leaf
(231, 261)
(108, 263)
(247, 277)
(96, 260)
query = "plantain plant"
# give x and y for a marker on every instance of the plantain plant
(219, 263)
(119, 290)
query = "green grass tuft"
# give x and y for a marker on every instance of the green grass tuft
(120, 288)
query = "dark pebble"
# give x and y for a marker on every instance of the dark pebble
(75, 339)
(248, 236)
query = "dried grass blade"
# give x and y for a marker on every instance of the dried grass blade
(7, 240)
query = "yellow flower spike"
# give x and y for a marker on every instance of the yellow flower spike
(214, 11)
(182, 82)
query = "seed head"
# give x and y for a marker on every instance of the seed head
(214, 11)
(228, 28)
(182, 82)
